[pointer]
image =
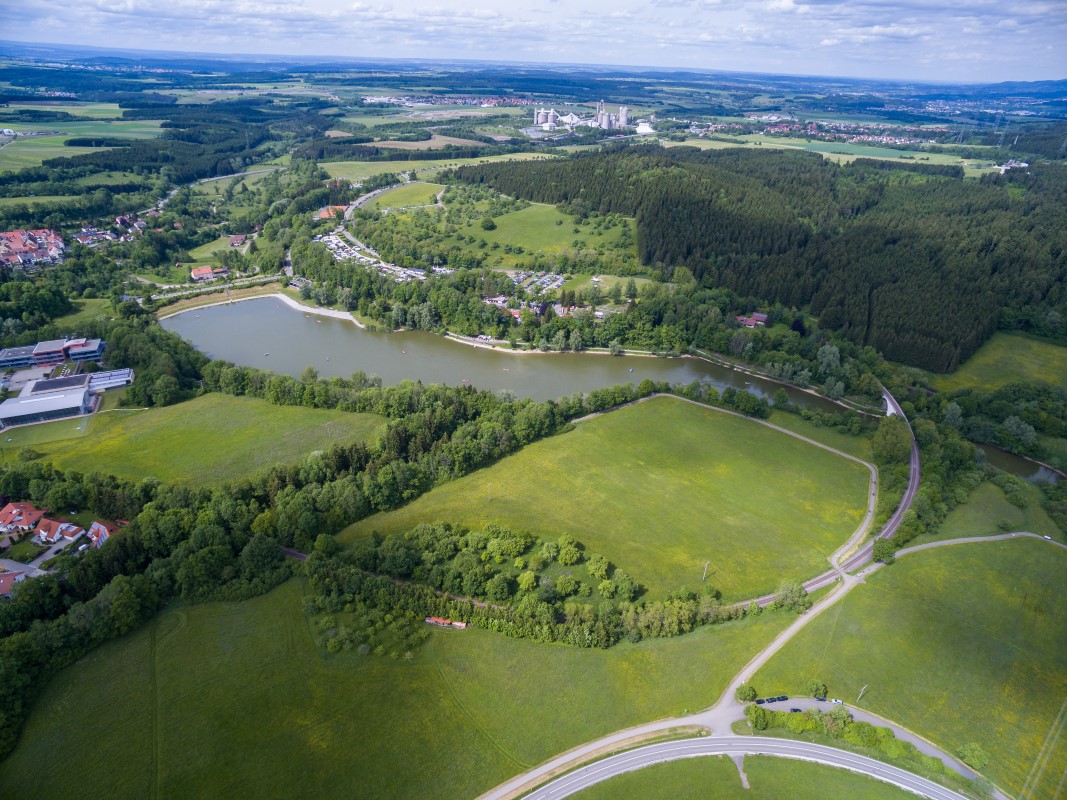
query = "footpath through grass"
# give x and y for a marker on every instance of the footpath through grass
(660, 488)
(208, 440)
(716, 778)
(358, 170)
(959, 644)
(237, 700)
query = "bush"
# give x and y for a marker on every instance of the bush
(884, 551)
(746, 693)
(816, 688)
(973, 755)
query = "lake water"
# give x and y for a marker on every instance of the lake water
(267, 333)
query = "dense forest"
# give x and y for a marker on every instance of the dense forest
(919, 266)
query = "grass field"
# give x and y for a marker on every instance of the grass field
(237, 699)
(435, 142)
(85, 310)
(416, 193)
(33, 151)
(210, 439)
(660, 488)
(835, 151)
(1008, 358)
(539, 227)
(960, 644)
(358, 170)
(36, 201)
(716, 778)
(211, 250)
(126, 129)
(987, 507)
(87, 110)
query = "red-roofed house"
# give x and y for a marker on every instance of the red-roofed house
(49, 531)
(202, 274)
(19, 517)
(100, 532)
(238, 240)
(8, 581)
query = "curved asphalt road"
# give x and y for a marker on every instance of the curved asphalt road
(584, 777)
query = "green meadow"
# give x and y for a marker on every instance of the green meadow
(27, 151)
(126, 129)
(358, 170)
(1008, 358)
(660, 488)
(987, 512)
(960, 644)
(87, 110)
(208, 440)
(37, 200)
(211, 250)
(537, 228)
(415, 193)
(716, 778)
(238, 699)
(85, 310)
(835, 151)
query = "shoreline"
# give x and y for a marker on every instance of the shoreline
(322, 312)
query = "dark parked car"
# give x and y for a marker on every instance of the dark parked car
(760, 702)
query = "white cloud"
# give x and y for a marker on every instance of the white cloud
(915, 39)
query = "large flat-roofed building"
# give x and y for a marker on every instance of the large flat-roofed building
(85, 349)
(55, 351)
(43, 407)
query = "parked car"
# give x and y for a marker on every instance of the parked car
(794, 711)
(781, 697)
(760, 701)
(836, 702)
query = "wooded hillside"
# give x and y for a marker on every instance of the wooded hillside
(915, 263)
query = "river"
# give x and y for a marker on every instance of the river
(266, 333)
(1017, 465)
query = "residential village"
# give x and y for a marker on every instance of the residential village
(30, 539)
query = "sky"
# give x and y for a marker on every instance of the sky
(932, 40)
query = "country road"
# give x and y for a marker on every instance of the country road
(719, 718)
(631, 760)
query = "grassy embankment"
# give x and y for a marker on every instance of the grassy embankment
(208, 440)
(660, 488)
(416, 193)
(960, 644)
(237, 699)
(716, 778)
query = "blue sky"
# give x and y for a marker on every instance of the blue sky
(936, 40)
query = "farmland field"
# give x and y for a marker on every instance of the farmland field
(236, 699)
(716, 778)
(126, 129)
(960, 644)
(660, 488)
(1008, 358)
(87, 110)
(210, 439)
(32, 151)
